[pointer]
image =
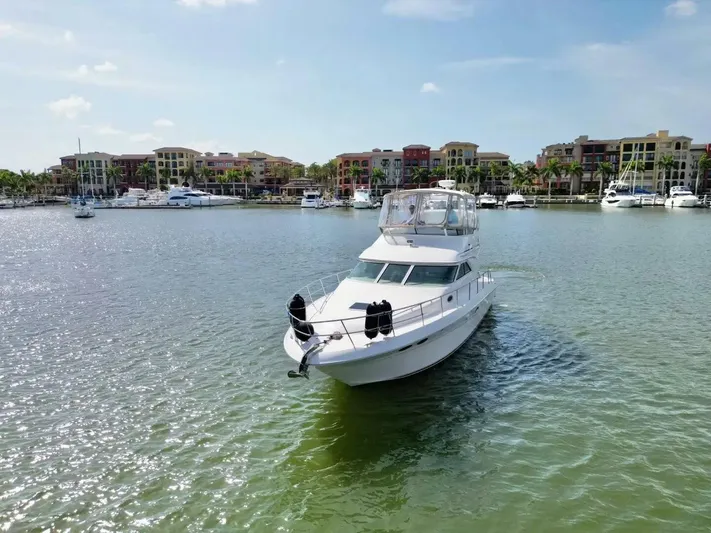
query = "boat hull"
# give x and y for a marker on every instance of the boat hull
(487, 205)
(362, 205)
(429, 350)
(681, 202)
(622, 202)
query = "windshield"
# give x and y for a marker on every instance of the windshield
(365, 270)
(431, 275)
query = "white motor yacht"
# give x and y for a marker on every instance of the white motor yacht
(198, 198)
(361, 199)
(414, 298)
(487, 201)
(515, 200)
(681, 196)
(312, 199)
(83, 209)
(618, 195)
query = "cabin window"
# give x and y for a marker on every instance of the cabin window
(431, 275)
(394, 273)
(366, 270)
(464, 269)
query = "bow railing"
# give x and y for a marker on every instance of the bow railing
(418, 313)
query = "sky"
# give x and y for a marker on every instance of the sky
(309, 79)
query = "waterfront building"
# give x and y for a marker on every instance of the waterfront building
(704, 179)
(399, 166)
(651, 148)
(390, 162)
(349, 180)
(92, 167)
(495, 184)
(459, 154)
(414, 156)
(129, 165)
(176, 159)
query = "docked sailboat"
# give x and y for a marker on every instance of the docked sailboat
(415, 296)
(83, 209)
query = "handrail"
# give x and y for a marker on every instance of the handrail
(485, 277)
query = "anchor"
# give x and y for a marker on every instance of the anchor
(303, 371)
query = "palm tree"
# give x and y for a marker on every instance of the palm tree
(314, 172)
(247, 175)
(44, 179)
(605, 171)
(550, 171)
(516, 173)
(476, 175)
(420, 175)
(531, 174)
(704, 167)
(438, 173)
(574, 170)
(376, 178)
(145, 172)
(165, 173)
(459, 175)
(495, 171)
(189, 174)
(113, 174)
(298, 172)
(354, 173)
(330, 171)
(667, 164)
(70, 178)
(27, 180)
(205, 173)
(234, 176)
(222, 179)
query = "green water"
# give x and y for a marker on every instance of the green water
(143, 385)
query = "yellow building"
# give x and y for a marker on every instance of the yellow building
(651, 148)
(458, 154)
(176, 159)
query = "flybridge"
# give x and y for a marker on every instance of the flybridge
(429, 212)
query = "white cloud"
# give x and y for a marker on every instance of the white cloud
(212, 3)
(618, 74)
(163, 123)
(70, 107)
(7, 30)
(108, 130)
(144, 137)
(106, 66)
(429, 87)
(681, 8)
(280, 62)
(69, 36)
(83, 70)
(443, 10)
(487, 62)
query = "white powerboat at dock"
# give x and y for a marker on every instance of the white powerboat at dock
(361, 199)
(414, 298)
(487, 201)
(515, 200)
(187, 195)
(681, 196)
(312, 199)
